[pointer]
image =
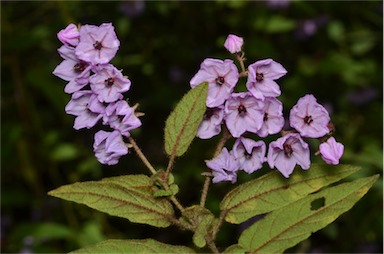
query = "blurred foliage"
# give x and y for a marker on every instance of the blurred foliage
(331, 49)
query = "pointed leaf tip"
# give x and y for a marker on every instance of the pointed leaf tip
(182, 124)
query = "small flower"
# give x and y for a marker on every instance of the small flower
(222, 77)
(69, 35)
(120, 116)
(211, 124)
(73, 70)
(331, 151)
(250, 154)
(309, 118)
(286, 152)
(261, 76)
(98, 44)
(79, 106)
(243, 112)
(108, 83)
(273, 119)
(109, 147)
(233, 43)
(224, 167)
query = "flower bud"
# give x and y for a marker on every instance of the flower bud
(69, 35)
(331, 151)
(233, 43)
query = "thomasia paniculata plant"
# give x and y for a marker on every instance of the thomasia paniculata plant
(215, 105)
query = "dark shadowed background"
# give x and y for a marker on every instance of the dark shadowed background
(331, 49)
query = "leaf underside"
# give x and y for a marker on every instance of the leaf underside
(130, 197)
(272, 191)
(133, 246)
(289, 225)
(182, 124)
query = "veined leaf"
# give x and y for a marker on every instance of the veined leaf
(182, 124)
(285, 227)
(129, 197)
(133, 246)
(272, 191)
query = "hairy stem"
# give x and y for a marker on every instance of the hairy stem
(241, 59)
(208, 175)
(142, 156)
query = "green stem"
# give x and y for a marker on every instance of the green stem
(208, 175)
(142, 156)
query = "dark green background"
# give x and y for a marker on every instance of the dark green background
(162, 46)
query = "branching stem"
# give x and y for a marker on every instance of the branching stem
(142, 156)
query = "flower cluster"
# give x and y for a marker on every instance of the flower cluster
(258, 111)
(96, 87)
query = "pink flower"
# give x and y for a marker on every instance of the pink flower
(211, 124)
(273, 120)
(120, 116)
(222, 77)
(286, 152)
(233, 43)
(69, 35)
(79, 106)
(309, 118)
(98, 44)
(72, 69)
(109, 147)
(250, 154)
(243, 112)
(261, 76)
(224, 167)
(331, 151)
(108, 83)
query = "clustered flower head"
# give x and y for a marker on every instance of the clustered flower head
(258, 111)
(96, 87)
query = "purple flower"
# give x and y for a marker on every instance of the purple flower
(286, 152)
(69, 35)
(120, 116)
(243, 112)
(79, 106)
(331, 151)
(72, 69)
(250, 154)
(273, 120)
(261, 76)
(224, 167)
(309, 118)
(108, 83)
(222, 77)
(233, 43)
(109, 147)
(98, 44)
(211, 124)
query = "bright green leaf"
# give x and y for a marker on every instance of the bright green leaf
(133, 246)
(182, 124)
(272, 191)
(129, 197)
(285, 227)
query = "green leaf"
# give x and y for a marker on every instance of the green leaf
(234, 249)
(133, 246)
(182, 124)
(130, 197)
(272, 191)
(285, 227)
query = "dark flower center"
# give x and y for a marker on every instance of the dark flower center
(259, 77)
(79, 67)
(220, 81)
(109, 82)
(308, 119)
(287, 149)
(265, 118)
(241, 109)
(97, 45)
